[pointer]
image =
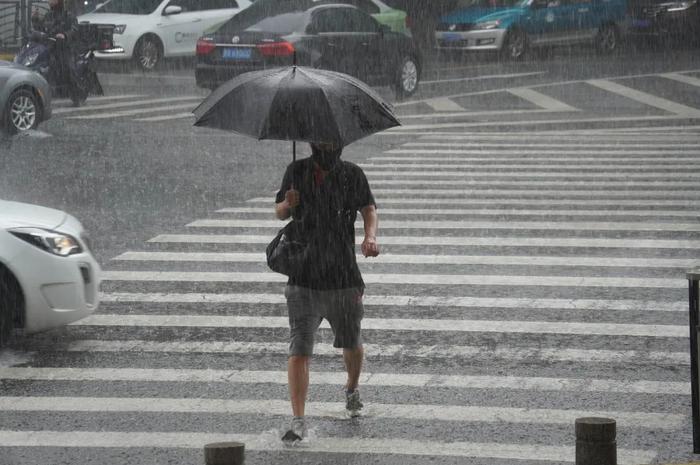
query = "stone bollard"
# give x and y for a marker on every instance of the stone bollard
(595, 441)
(224, 453)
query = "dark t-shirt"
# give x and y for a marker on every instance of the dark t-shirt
(328, 210)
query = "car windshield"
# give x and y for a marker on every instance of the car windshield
(464, 4)
(130, 7)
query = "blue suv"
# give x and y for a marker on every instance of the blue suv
(513, 26)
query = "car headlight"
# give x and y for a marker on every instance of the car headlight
(29, 60)
(53, 242)
(680, 6)
(120, 28)
(488, 25)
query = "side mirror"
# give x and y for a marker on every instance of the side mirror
(172, 10)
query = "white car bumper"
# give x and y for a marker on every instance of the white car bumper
(489, 39)
(123, 48)
(57, 290)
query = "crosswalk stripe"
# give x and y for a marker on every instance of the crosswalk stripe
(563, 174)
(416, 380)
(444, 104)
(484, 211)
(623, 147)
(693, 81)
(575, 242)
(552, 155)
(408, 301)
(541, 202)
(428, 259)
(569, 136)
(495, 184)
(541, 100)
(666, 421)
(533, 161)
(119, 114)
(167, 117)
(560, 193)
(66, 103)
(111, 106)
(528, 225)
(646, 99)
(456, 114)
(396, 324)
(196, 440)
(432, 352)
(660, 165)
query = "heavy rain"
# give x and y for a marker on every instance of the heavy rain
(357, 232)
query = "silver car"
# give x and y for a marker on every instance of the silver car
(25, 98)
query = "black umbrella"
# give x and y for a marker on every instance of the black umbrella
(298, 104)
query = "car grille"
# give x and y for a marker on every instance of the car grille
(461, 27)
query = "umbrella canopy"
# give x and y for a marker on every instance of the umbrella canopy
(298, 104)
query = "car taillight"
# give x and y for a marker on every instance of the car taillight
(409, 22)
(106, 44)
(276, 49)
(205, 46)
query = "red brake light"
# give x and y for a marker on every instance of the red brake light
(409, 22)
(205, 46)
(276, 49)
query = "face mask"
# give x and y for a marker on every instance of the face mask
(325, 159)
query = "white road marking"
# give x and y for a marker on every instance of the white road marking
(443, 104)
(674, 175)
(553, 155)
(541, 100)
(425, 259)
(119, 114)
(573, 242)
(433, 412)
(166, 117)
(195, 440)
(397, 324)
(504, 160)
(474, 78)
(660, 165)
(589, 193)
(497, 211)
(647, 99)
(514, 225)
(426, 352)
(66, 103)
(508, 183)
(455, 113)
(657, 148)
(112, 106)
(693, 81)
(409, 301)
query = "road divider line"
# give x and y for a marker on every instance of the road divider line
(446, 224)
(425, 259)
(548, 242)
(432, 412)
(523, 354)
(395, 324)
(270, 442)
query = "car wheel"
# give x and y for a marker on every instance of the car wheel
(407, 77)
(22, 112)
(148, 53)
(11, 302)
(514, 45)
(608, 39)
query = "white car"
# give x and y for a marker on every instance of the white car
(48, 276)
(149, 30)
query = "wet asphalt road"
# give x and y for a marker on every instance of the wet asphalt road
(593, 184)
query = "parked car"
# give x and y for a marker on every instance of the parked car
(48, 276)
(676, 21)
(328, 36)
(25, 98)
(511, 27)
(150, 30)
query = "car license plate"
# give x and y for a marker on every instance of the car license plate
(237, 53)
(641, 23)
(451, 37)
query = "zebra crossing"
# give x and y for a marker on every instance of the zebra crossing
(526, 279)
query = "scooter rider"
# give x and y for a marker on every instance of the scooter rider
(61, 25)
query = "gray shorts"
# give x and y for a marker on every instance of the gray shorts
(308, 307)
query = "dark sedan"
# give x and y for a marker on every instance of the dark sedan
(330, 36)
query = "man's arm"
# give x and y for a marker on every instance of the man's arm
(283, 209)
(369, 245)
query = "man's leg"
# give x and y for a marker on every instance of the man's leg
(353, 365)
(298, 377)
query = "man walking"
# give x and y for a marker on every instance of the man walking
(326, 193)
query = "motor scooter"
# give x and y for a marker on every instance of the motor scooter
(36, 54)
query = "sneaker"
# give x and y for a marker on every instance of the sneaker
(296, 433)
(352, 403)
